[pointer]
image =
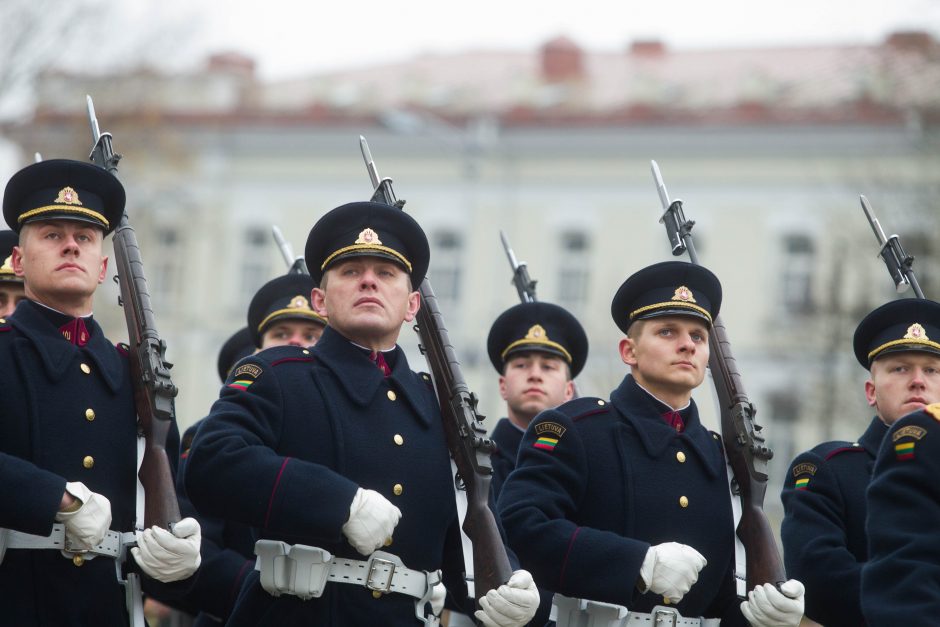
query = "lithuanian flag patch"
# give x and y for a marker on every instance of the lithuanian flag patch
(904, 451)
(802, 483)
(240, 384)
(546, 443)
(548, 435)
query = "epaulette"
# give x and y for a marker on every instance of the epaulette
(286, 354)
(580, 408)
(123, 348)
(837, 448)
(427, 379)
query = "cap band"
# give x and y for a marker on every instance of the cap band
(543, 342)
(902, 342)
(358, 247)
(66, 208)
(670, 305)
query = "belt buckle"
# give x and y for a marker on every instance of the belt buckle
(370, 578)
(664, 612)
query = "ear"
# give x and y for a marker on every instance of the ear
(569, 390)
(870, 392)
(628, 351)
(104, 270)
(502, 388)
(414, 304)
(318, 300)
(17, 261)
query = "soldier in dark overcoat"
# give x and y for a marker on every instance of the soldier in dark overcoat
(627, 501)
(823, 529)
(901, 579)
(68, 428)
(341, 448)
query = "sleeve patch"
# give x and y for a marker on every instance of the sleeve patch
(904, 451)
(549, 433)
(804, 468)
(248, 370)
(909, 431)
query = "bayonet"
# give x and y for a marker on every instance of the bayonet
(900, 265)
(520, 273)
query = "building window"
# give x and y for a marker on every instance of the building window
(255, 269)
(163, 268)
(574, 269)
(445, 272)
(799, 262)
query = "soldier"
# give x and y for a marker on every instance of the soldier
(11, 286)
(823, 529)
(901, 579)
(627, 501)
(68, 428)
(279, 314)
(537, 348)
(341, 448)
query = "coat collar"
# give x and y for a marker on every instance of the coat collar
(642, 411)
(874, 434)
(361, 380)
(57, 354)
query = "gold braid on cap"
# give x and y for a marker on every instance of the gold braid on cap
(904, 342)
(301, 312)
(66, 209)
(357, 247)
(536, 335)
(672, 304)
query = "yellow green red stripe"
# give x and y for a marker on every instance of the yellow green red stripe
(905, 450)
(802, 483)
(241, 384)
(545, 443)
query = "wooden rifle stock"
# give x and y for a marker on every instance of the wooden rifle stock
(150, 372)
(463, 426)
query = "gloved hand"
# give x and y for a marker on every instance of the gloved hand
(670, 569)
(372, 518)
(169, 556)
(768, 607)
(438, 595)
(513, 604)
(86, 525)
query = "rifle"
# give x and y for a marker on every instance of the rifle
(463, 426)
(520, 273)
(295, 265)
(743, 442)
(150, 371)
(900, 265)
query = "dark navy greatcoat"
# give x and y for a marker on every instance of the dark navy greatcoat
(228, 556)
(901, 580)
(62, 407)
(507, 438)
(294, 434)
(597, 483)
(823, 528)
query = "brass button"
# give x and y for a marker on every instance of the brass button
(376, 594)
(391, 395)
(78, 560)
(681, 457)
(88, 462)
(305, 352)
(3, 320)
(601, 403)
(398, 489)
(425, 377)
(85, 368)
(89, 414)
(683, 501)
(398, 439)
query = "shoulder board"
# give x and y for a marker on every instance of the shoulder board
(4, 325)
(580, 408)
(934, 410)
(283, 355)
(427, 379)
(843, 447)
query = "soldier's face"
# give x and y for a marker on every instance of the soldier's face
(533, 382)
(668, 355)
(903, 382)
(291, 333)
(10, 295)
(61, 260)
(367, 299)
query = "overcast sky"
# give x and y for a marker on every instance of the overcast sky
(288, 38)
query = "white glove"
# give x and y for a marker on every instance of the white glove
(86, 526)
(768, 607)
(438, 595)
(169, 556)
(513, 604)
(670, 569)
(372, 518)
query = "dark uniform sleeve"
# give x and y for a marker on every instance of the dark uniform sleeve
(536, 506)
(30, 496)
(901, 580)
(815, 543)
(234, 471)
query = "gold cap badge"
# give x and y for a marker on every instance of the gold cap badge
(368, 236)
(536, 332)
(684, 294)
(7, 267)
(916, 332)
(68, 196)
(299, 302)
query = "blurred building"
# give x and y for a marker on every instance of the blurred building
(770, 149)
